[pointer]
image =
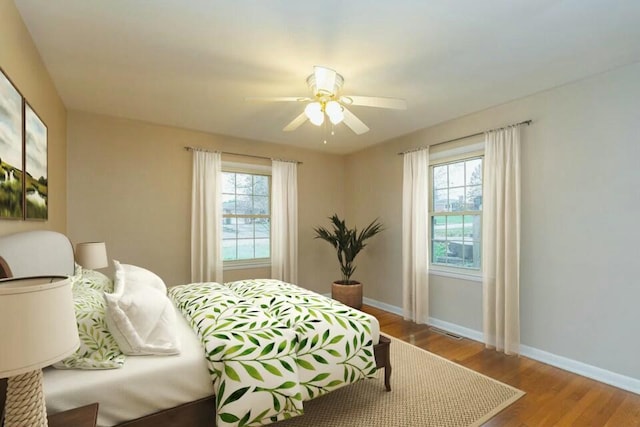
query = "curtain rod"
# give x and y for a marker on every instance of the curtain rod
(526, 122)
(240, 154)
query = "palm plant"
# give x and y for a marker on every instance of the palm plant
(347, 243)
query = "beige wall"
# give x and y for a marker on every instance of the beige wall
(21, 61)
(580, 208)
(130, 185)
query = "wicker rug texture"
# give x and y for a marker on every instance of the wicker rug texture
(426, 390)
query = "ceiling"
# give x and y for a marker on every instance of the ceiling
(191, 63)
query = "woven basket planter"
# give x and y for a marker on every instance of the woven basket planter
(350, 295)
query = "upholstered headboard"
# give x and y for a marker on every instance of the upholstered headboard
(36, 253)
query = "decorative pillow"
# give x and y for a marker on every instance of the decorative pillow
(91, 279)
(98, 349)
(140, 316)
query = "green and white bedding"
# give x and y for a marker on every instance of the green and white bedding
(271, 345)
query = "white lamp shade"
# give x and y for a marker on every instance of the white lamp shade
(92, 255)
(314, 112)
(37, 323)
(325, 79)
(334, 111)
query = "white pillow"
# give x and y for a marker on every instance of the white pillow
(135, 277)
(140, 316)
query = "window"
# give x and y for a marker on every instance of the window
(246, 218)
(456, 214)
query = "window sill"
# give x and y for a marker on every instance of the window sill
(472, 277)
(245, 265)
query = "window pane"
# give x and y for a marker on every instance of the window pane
(261, 205)
(438, 227)
(440, 177)
(261, 185)
(440, 201)
(246, 195)
(439, 252)
(454, 226)
(245, 249)
(262, 227)
(456, 238)
(472, 254)
(229, 228)
(228, 204)
(244, 205)
(244, 183)
(456, 174)
(474, 171)
(456, 199)
(262, 248)
(228, 250)
(245, 228)
(471, 226)
(454, 252)
(228, 182)
(474, 198)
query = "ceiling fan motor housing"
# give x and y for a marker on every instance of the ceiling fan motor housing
(325, 82)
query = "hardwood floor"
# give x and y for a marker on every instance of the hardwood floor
(554, 397)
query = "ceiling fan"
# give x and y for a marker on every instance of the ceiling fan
(327, 102)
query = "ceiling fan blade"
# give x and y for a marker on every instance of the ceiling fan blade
(375, 101)
(277, 99)
(354, 123)
(296, 123)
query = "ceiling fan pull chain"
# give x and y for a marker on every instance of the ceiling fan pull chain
(324, 132)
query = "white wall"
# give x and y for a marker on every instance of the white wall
(581, 205)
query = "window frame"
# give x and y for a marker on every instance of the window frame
(252, 169)
(459, 154)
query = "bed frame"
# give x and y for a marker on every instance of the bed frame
(42, 253)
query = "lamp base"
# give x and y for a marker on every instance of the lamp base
(25, 401)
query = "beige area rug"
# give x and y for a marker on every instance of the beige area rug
(426, 390)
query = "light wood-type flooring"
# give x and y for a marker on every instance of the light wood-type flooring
(554, 397)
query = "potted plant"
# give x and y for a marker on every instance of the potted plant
(347, 243)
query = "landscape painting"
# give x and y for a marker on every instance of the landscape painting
(35, 166)
(10, 150)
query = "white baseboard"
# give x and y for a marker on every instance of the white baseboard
(382, 306)
(617, 380)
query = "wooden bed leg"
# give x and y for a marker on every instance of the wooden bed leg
(383, 359)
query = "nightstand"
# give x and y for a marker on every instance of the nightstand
(84, 416)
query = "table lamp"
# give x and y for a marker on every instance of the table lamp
(37, 328)
(92, 255)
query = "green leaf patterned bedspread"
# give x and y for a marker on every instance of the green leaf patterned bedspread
(271, 345)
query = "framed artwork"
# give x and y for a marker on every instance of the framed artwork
(36, 188)
(11, 150)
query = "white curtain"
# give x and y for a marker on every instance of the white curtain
(206, 217)
(284, 221)
(415, 236)
(501, 240)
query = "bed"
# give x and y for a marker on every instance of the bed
(178, 389)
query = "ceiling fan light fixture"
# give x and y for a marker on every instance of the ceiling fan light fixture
(314, 112)
(324, 81)
(334, 111)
